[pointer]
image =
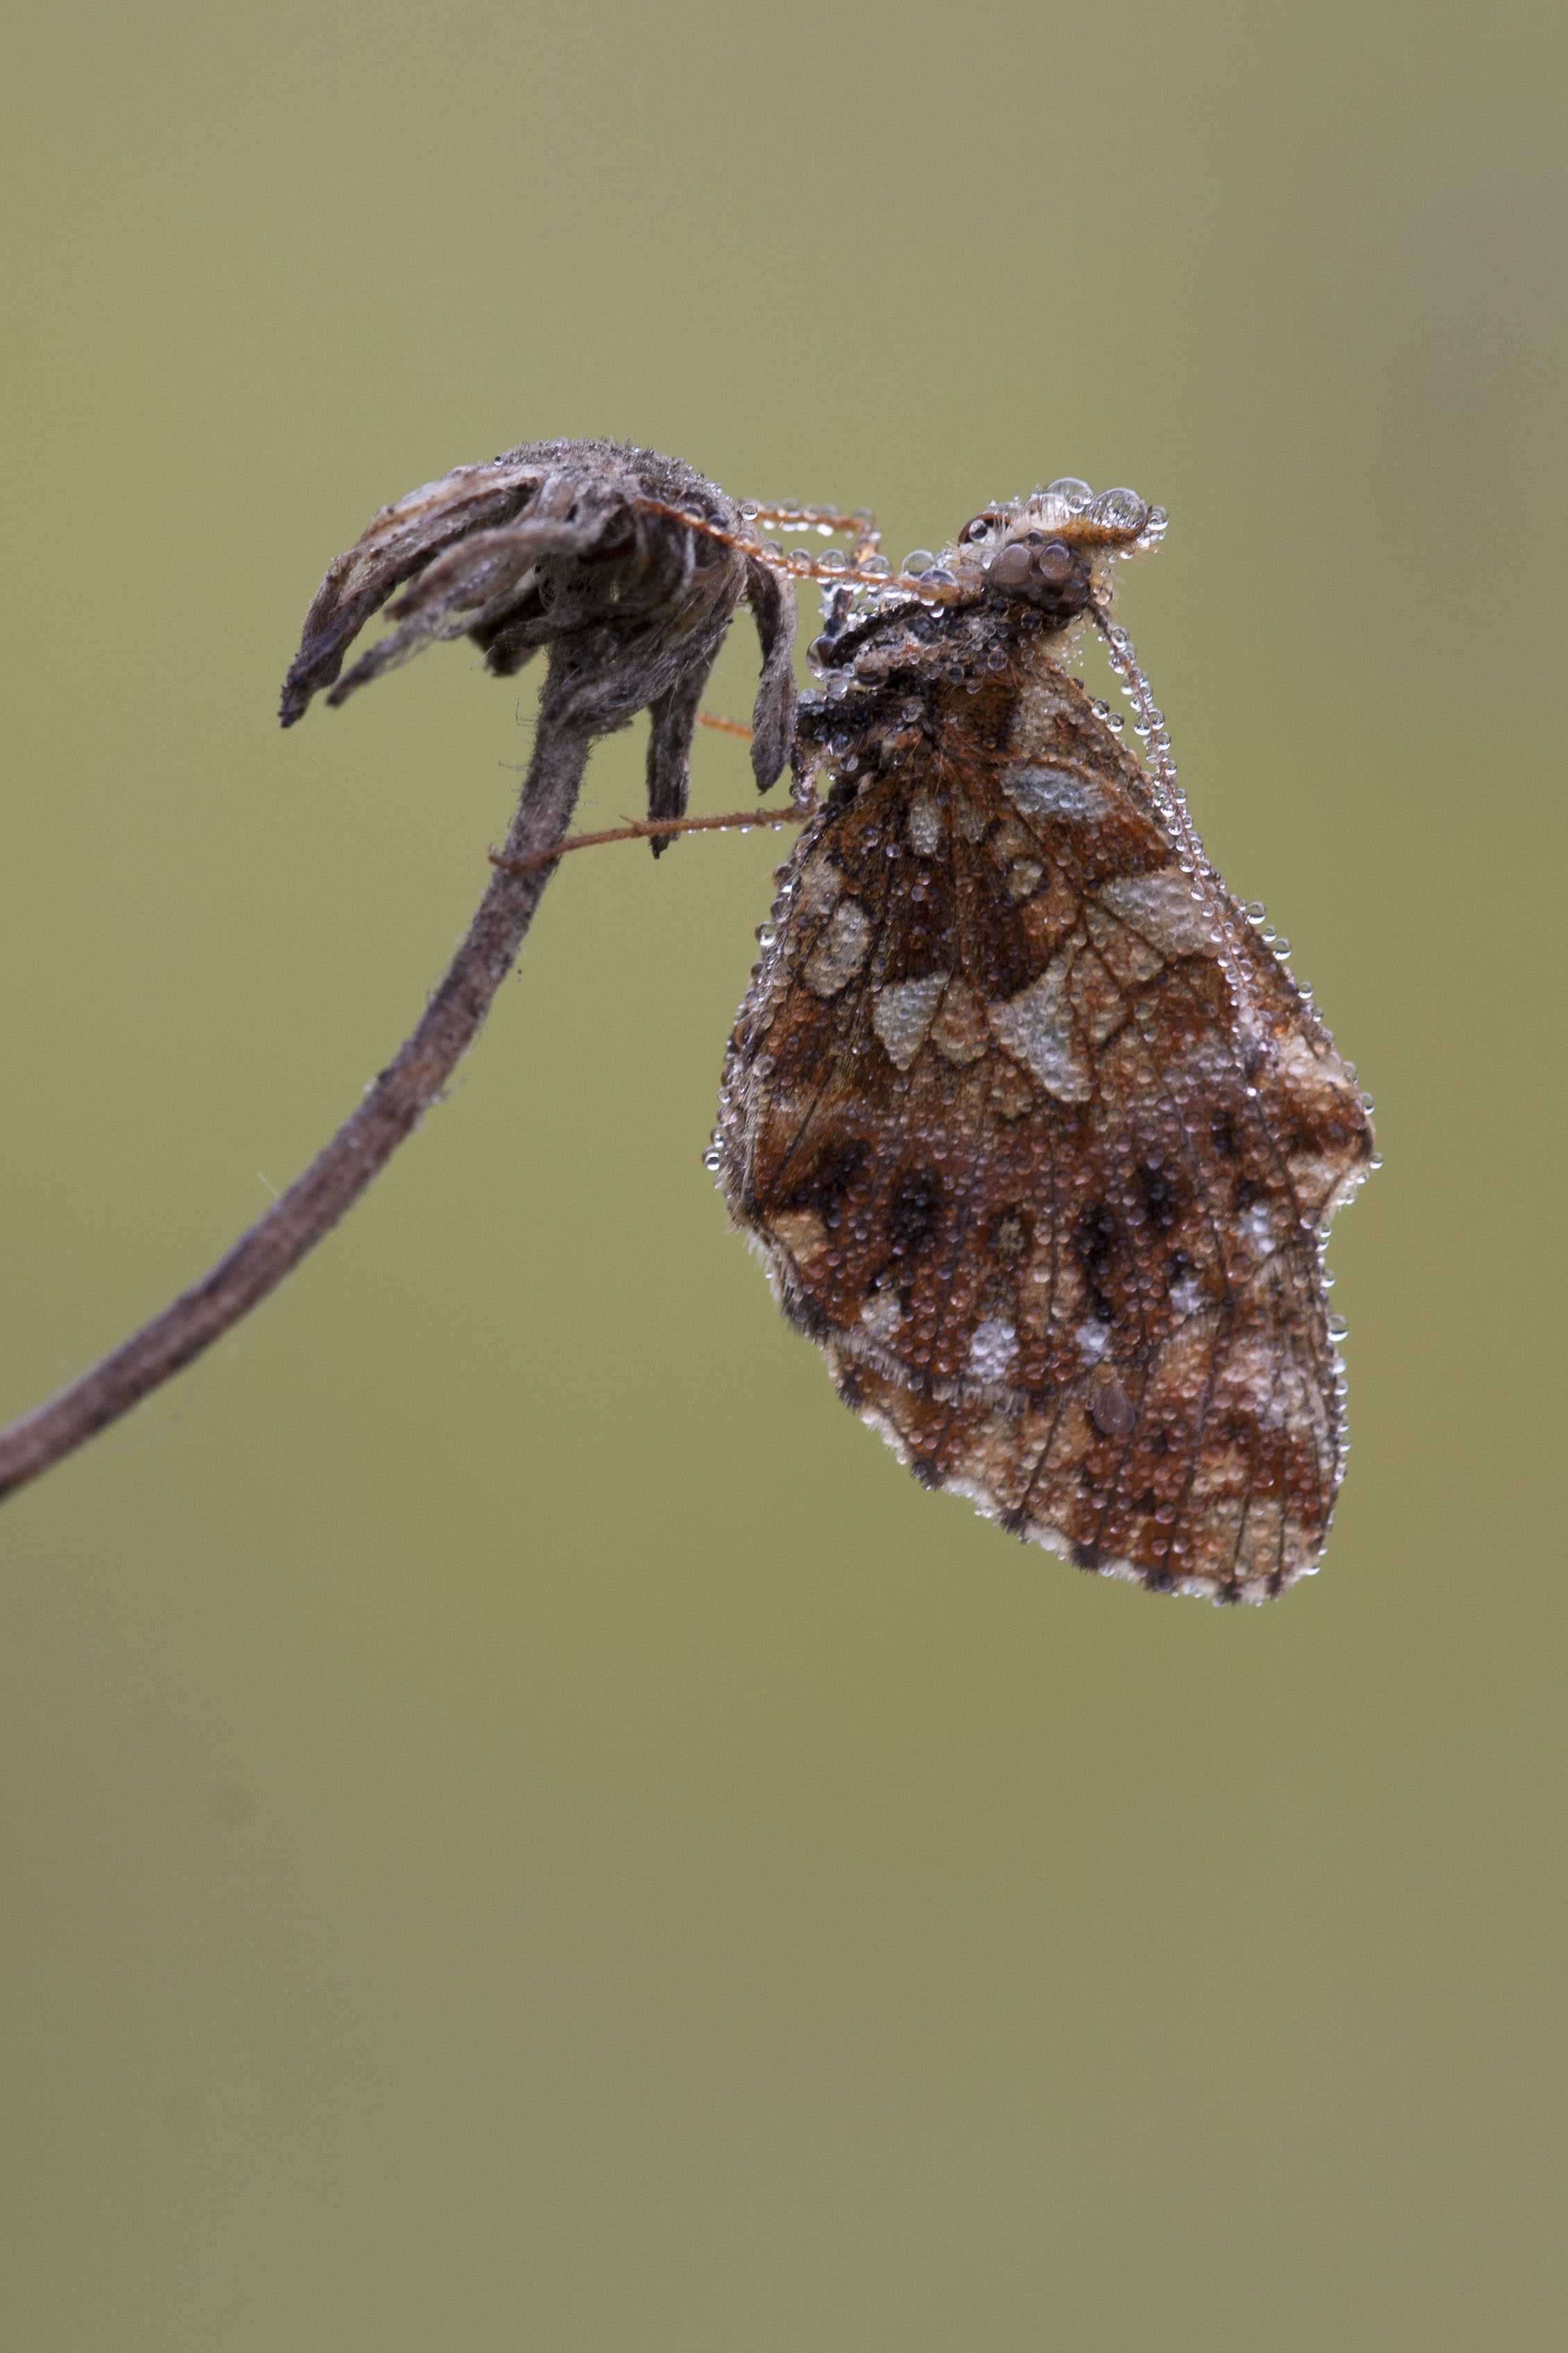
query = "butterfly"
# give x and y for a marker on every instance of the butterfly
(1036, 1136)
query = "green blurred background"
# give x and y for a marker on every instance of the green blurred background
(522, 1826)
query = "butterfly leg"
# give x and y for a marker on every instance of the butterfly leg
(859, 528)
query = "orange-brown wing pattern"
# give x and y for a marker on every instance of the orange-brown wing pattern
(1052, 1211)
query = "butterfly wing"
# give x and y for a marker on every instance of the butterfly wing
(1052, 1212)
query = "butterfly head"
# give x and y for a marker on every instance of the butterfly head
(1049, 552)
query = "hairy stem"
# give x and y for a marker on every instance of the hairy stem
(392, 1106)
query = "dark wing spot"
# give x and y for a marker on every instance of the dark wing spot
(1093, 1242)
(830, 1176)
(1162, 1200)
(914, 1211)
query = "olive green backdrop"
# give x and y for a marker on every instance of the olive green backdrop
(522, 1826)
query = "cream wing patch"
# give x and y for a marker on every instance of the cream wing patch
(1038, 1028)
(925, 825)
(841, 951)
(901, 1015)
(994, 1349)
(1128, 956)
(1162, 908)
(1054, 790)
(819, 885)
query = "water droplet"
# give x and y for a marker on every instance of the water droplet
(917, 559)
(833, 559)
(1074, 494)
(1339, 1329)
(712, 1159)
(1118, 509)
(877, 565)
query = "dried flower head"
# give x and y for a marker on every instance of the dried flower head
(610, 556)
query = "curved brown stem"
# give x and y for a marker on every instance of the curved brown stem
(392, 1106)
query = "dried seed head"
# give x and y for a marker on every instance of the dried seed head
(554, 544)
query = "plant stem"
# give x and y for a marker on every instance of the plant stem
(392, 1106)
